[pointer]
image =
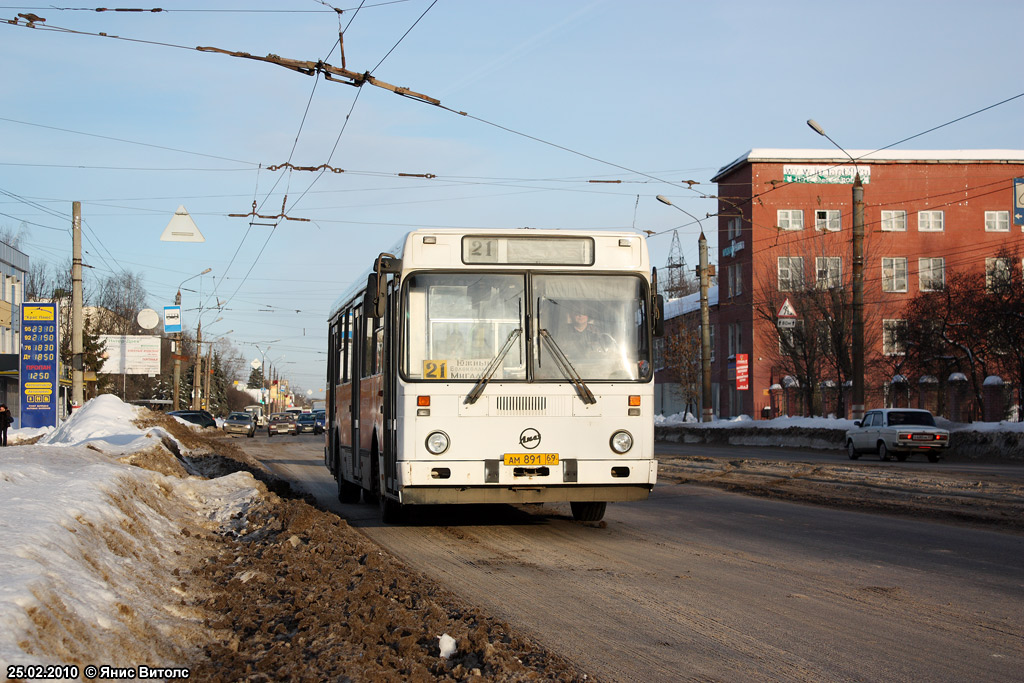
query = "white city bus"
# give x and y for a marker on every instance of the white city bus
(496, 366)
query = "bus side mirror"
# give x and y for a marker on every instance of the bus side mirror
(374, 299)
(658, 315)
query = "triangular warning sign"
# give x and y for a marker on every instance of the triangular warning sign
(787, 310)
(182, 228)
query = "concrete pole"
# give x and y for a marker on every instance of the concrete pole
(707, 411)
(209, 371)
(857, 409)
(77, 315)
(177, 359)
(197, 372)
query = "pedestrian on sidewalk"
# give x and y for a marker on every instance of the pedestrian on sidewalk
(6, 420)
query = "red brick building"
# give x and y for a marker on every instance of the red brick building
(784, 233)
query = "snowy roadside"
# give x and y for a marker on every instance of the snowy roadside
(118, 558)
(93, 545)
(971, 441)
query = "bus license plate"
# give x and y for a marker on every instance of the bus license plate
(531, 459)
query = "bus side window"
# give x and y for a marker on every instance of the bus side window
(353, 344)
(368, 347)
(343, 347)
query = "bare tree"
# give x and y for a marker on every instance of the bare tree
(973, 324)
(681, 348)
(120, 297)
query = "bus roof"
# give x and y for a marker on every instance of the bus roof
(442, 248)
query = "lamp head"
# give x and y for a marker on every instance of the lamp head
(816, 128)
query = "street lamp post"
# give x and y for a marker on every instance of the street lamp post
(197, 397)
(177, 355)
(857, 327)
(263, 367)
(703, 272)
(209, 365)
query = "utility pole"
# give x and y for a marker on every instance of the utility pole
(858, 299)
(704, 273)
(209, 371)
(857, 325)
(176, 353)
(77, 322)
(198, 370)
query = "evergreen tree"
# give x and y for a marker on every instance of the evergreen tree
(256, 378)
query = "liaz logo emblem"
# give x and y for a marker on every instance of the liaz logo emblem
(530, 438)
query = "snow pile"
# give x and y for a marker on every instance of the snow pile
(93, 547)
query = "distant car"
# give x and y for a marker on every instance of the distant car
(240, 423)
(307, 422)
(321, 419)
(897, 432)
(198, 417)
(282, 423)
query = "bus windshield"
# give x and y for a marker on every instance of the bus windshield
(456, 324)
(598, 322)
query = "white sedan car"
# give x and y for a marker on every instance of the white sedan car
(898, 432)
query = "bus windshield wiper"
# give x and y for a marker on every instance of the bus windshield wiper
(492, 367)
(566, 368)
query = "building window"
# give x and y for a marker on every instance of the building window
(931, 274)
(735, 279)
(894, 221)
(894, 337)
(997, 273)
(930, 221)
(791, 219)
(997, 221)
(734, 227)
(791, 273)
(826, 219)
(829, 271)
(735, 338)
(894, 274)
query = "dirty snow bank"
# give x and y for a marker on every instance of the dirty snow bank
(93, 546)
(976, 440)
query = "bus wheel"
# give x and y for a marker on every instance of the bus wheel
(391, 511)
(587, 511)
(348, 493)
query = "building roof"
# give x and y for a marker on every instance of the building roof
(770, 155)
(689, 303)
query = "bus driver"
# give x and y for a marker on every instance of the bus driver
(583, 341)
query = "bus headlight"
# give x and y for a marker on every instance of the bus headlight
(621, 441)
(437, 443)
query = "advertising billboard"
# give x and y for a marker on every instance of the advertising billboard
(40, 341)
(131, 354)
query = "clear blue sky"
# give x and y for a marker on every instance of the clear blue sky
(620, 90)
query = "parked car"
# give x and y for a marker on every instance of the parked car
(240, 423)
(198, 417)
(899, 432)
(282, 423)
(307, 422)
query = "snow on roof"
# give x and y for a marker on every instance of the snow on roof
(993, 381)
(689, 303)
(958, 377)
(770, 154)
